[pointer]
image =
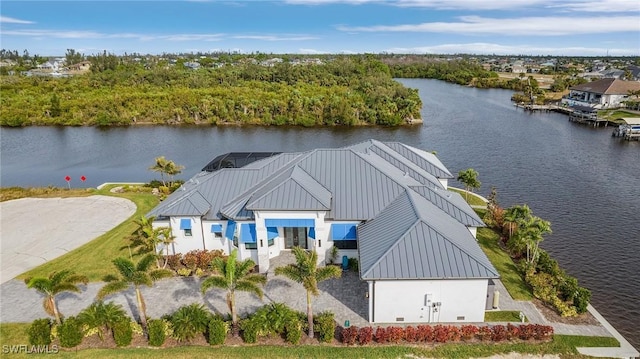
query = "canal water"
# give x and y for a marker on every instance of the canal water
(581, 179)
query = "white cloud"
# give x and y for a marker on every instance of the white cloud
(482, 48)
(188, 37)
(599, 6)
(311, 51)
(527, 26)
(436, 4)
(274, 38)
(10, 20)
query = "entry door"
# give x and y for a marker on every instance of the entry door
(295, 237)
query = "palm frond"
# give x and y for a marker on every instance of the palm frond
(58, 277)
(65, 287)
(40, 284)
(77, 278)
(290, 271)
(110, 278)
(247, 286)
(146, 262)
(141, 278)
(327, 272)
(256, 278)
(244, 267)
(124, 266)
(160, 273)
(215, 281)
(111, 288)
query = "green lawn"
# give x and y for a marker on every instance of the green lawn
(503, 316)
(94, 258)
(472, 198)
(15, 334)
(509, 274)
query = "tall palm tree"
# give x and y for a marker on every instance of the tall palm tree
(136, 276)
(234, 275)
(469, 178)
(56, 283)
(147, 239)
(160, 166)
(306, 272)
(533, 228)
(166, 238)
(513, 216)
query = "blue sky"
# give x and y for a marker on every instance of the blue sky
(517, 27)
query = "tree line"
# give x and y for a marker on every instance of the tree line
(348, 90)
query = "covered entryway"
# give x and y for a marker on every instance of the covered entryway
(295, 237)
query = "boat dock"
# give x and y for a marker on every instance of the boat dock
(630, 130)
(577, 114)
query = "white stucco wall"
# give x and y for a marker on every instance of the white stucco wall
(182, 243)
(460, 301)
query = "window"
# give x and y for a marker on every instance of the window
(216, 229)
(346, 244)
(185, 225)
(344, 235)
(251, 246)
(271, 242)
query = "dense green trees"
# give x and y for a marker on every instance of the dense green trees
(348, 90)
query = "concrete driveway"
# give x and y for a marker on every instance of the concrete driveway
(36, 230)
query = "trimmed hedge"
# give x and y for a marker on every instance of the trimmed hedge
(70, 332)
(217, 331)
(122, 333)
(157, 332)
(444, 333)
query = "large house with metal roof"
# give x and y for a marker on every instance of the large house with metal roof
(384, 203)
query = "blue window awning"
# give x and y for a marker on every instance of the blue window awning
(231, 229)
(343, 231)
(248, 233)
(289, 222)
(312, 232)
(272, 232)
(185, 223)
(216, 228)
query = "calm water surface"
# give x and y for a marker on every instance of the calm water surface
(581, 179)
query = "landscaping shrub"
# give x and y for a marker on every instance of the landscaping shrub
(484, 333)
(325, 324)
(425, 333)
(200, 259)
(122, 333)
(440, 333)
(499, 333)
(157, 332)
(350, 335)
(582, 299)
(40, 332)
(189, 321)
(454, 333)
(353, 264)
(395, 334)
(365, 335)
(381, 335)
(249, 330)
(410, 334)
(100, 315)
(174, 261)
(468, 332)
(70, 332)
(513, 332)
(293, 330)
(217, 331)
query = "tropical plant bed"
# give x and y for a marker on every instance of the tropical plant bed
(552, 316)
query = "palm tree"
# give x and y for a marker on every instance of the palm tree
(306, 272)
(165, 166)
(160, 166)
(56, 283)
(136, 276)
(234, 275)
(531, 231)
(513, 216)
(469, 178)
(146, 238)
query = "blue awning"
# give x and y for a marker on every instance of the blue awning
(216, 228)
(343, 232)
(248, 233)
(185, 223)
(312, 232)
(289, 222)
(272, 232)
(231, 229)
